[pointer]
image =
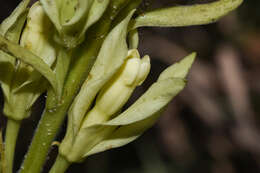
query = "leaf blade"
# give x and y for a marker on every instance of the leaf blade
(186, 15)
(11, 20)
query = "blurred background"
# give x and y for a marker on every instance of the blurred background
(213, 125)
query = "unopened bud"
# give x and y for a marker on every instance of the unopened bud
(28, 83)
(118, 90)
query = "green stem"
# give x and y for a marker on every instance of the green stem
(2, 156)
(54, 114)
(60, 165)
(11, 135)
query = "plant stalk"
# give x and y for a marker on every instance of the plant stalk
(52, 120)
(54, 115)
(60, 165)
(11, 134)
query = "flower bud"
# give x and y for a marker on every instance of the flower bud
(28, 83)
(117, 91)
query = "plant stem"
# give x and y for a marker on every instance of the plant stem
(53, 116)
(2, 154)
(60, 165)
(11, 135)
(51, 120)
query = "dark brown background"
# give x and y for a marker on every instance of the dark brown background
(213, 125)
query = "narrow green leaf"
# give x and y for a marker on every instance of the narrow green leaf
(14, 32)
(186, 15)
(12, 19)
(124, 135)
(29, 58)
(179, 69)
(85, 140)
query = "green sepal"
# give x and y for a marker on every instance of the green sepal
(186, 15)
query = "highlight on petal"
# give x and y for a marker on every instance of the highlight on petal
(186, 15)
